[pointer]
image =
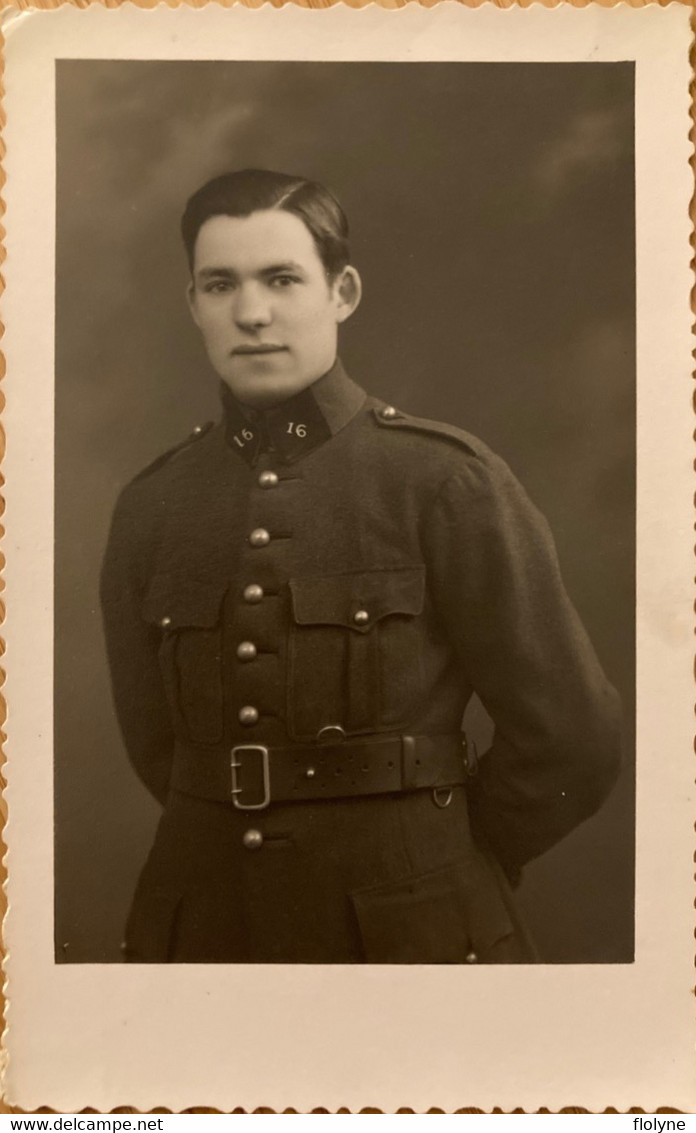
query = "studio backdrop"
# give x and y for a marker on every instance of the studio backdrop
(492, 221)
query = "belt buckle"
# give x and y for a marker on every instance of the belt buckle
(235, 764)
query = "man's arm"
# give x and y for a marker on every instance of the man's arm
(497, 586)
(132, 646)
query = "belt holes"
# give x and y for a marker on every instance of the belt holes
(418, 763)
(366, 768)
(390, 764)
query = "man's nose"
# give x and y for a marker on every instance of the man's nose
(251, 307)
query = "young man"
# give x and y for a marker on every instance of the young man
(299, 603)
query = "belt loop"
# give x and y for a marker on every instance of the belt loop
(408, 763)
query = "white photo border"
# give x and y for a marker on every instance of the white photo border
(105, 1035)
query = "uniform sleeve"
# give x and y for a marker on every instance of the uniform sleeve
(497, 586)
(132, 648)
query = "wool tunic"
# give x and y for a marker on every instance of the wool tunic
(329, 582)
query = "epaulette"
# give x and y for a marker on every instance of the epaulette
(194, 435)
(390, 418)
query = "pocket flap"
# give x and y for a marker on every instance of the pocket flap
(419, 920)
(434, 918)
(336, 599)
(175, 603)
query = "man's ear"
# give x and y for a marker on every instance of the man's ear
(191, 300)
(348, 290)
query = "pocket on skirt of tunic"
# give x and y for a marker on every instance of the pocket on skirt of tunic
(442, 917)
(151, 926)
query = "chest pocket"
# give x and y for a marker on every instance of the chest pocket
(189, 615)
(355, 651)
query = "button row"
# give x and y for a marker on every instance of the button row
(246, 650)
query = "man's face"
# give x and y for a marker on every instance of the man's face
(262, 301)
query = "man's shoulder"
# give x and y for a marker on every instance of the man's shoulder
(150, 491)
(160, 470)
(445, 458)
(164, 461)
(452, 448)
(389, 417)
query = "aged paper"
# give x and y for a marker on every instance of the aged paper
(113, 119)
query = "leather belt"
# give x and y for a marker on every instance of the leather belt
(252, 776)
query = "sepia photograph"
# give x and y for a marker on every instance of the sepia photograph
(349, 558)
(349, 352)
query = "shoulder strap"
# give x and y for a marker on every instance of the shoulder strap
(194, 435)
(388, 417)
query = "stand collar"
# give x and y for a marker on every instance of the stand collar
(296, 426)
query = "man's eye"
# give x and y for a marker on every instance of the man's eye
(284, 280)
(216, 286)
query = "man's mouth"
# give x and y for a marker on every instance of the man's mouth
(259, 348)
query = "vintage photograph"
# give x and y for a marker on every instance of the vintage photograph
(348, 350)
(349, 576)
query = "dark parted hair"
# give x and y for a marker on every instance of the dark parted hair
(245, 191)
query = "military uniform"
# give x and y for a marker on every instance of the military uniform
(298, 607)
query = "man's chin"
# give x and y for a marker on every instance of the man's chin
(264, 393)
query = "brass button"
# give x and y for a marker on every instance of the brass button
(268, 480)
(252, 839)
(248, 715)
(165, 623)
(246, 651)
(253, 593)
(197, 430)
(310, 772)
(471, 958)
(259, 537)
(389, 413)
(361, 617)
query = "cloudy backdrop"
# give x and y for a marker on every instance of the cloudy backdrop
(491, 210)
